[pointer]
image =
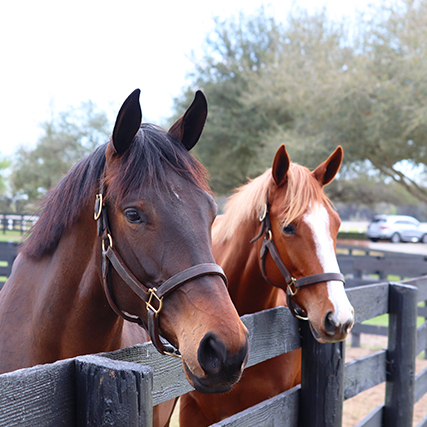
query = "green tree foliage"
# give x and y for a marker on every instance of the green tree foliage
(312, 85)
(67, 138)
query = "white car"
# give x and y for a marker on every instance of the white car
(396, 228)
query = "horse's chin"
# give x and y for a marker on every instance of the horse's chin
(316, 335)
(208, 385)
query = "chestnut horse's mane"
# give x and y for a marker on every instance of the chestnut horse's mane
(142, 164)
(300, 191)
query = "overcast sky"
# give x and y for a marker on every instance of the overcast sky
(55, 54)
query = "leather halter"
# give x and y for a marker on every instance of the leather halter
(153, 297)
(293, 284)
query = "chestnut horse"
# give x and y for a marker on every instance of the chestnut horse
(146, 257)
(291, 261)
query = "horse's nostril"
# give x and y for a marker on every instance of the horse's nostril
(331, 324)
(212, 354)
(347, 325)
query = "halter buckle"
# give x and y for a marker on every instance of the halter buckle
(98, 207)
(152, 292)
(291, 284)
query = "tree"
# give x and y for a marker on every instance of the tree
(67, 138)
(309, 84)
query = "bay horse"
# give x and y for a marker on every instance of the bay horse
(276, 242)
(123, 246)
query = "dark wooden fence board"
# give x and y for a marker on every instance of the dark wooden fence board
(421, 284)
(370, 329)
(421, 338)
(41, 396)
(113, 393)
(399, 405)
(420, 384)
(169, 380)
(330, 360)
(275, 329)
(279, 411)
(373, 419)
(364, 373)
(377, 295)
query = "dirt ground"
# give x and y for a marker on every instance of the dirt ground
(356, 408)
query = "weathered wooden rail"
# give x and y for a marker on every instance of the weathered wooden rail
(364, 265)
(119, 388)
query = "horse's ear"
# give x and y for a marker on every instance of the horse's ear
(189, 127)
(327, 170)
(127, 123)
(281, 165)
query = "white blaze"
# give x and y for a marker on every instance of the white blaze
(318, 221)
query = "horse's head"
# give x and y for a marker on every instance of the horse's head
(303, 230)
(156, 239)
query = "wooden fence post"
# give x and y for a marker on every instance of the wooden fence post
(322, 382)
(402, 334)
(113, 393)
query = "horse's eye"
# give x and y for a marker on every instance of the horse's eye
(132, 215)
(289, 229)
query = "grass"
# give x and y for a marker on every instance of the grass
(11, 236)
(383, 319)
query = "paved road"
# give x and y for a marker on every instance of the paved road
(410, 248)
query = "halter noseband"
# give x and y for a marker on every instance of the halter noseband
(293, 284)
(153, 297)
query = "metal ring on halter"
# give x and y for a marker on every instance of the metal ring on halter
(110, 242)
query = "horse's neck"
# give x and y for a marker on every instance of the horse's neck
(63, 311)
(240, 261)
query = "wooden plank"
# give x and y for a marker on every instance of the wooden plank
(399, 389)
(278, 411)
(40, 396)
(112, 393)
(420, 385)
(322, 382)
(370, 329)
(364, 373)
(373, 419)
(275, 329)
(377, 295)
(169, 380)
(421, 284)
(271, 332)
(421, 338)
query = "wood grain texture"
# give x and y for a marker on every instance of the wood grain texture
(364, 373)
(279, 411)
(40, 396)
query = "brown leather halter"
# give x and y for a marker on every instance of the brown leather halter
(153, 297)
(293, 284)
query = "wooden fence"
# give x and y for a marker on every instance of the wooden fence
(16, 222)
(111, 389)
(363, 265)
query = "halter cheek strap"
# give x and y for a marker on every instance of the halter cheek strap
(153, 297)
(293, 284)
